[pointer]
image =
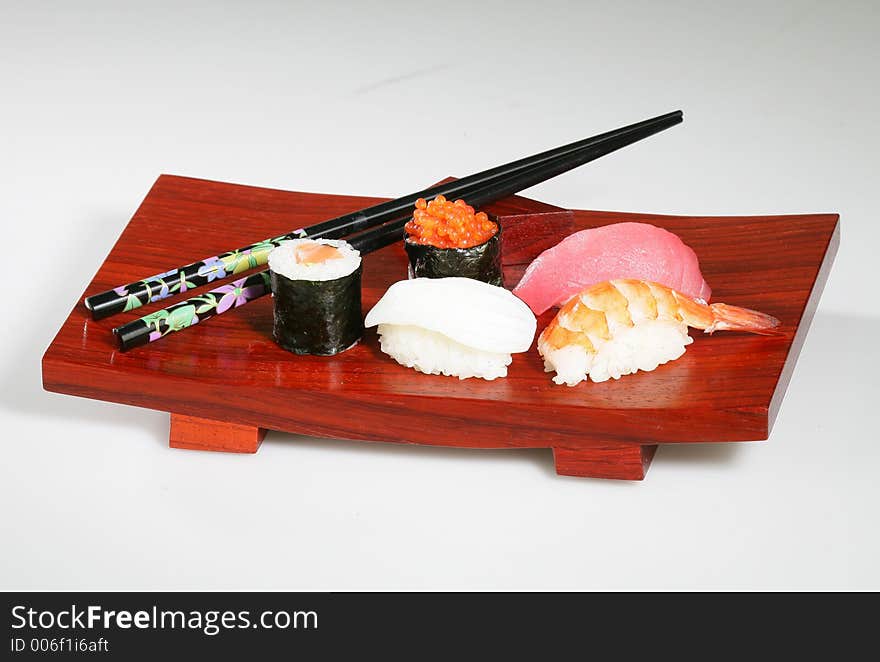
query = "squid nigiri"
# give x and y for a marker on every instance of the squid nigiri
(621, 326)
(454, 326)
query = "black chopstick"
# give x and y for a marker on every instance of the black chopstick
(192, 311)
(155, 288)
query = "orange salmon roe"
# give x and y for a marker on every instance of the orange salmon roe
(445, 224)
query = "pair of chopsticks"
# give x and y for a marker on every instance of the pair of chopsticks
(226, 297)
(383, 224)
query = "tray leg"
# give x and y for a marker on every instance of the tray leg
(622, 461)
(202, 434)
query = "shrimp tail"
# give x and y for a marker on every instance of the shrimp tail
(734, 318)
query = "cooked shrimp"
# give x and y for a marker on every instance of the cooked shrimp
(621, 326)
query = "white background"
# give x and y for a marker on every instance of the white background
(382, 98)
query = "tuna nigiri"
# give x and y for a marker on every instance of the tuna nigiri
(620, 250)
(622, 326)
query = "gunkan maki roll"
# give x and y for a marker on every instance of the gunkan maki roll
(446, 239)
(316, 285)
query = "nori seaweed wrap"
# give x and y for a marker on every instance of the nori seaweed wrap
(480, 262)
(314, 316)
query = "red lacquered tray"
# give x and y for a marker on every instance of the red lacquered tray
(225, 381)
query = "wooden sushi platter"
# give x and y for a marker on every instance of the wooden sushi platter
(225, 382)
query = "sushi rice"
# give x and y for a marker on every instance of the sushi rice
(283, 260)
(644, 346)
(435, 354)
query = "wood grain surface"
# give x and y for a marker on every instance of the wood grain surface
(727, 387)
(199, 434)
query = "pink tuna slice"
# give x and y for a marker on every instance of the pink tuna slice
(620, 250)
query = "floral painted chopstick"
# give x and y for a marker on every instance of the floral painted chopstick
(176, 281)
(182, 315)
(151, 327)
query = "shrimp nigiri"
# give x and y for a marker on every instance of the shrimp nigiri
(619, 327)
